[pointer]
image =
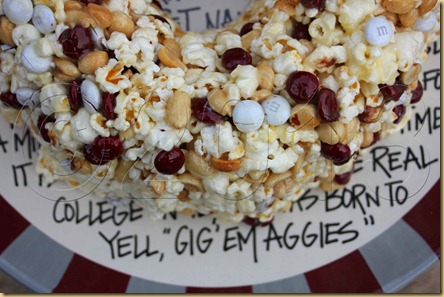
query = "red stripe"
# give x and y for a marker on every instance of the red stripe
(424, 218)
(85, 276)
(349, 274)
(247, 289)
(12, 224)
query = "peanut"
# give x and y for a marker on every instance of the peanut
(286, 7)
(74, 17)
(371, 114)
(261, 95)
(6, 27)
(226, 165)
(158, 186)
(121, 22)
(409, 19)
(92, 61)
(248, 38)
(170, 59)
(392, 17)
(274, 178)
(191, 182)
(121, 173)
(197, 165)
(220, 102)
(330, 186)
(331, 133)
(367, 139)
(173, 46)
(65, 69)
(266, 76)
(72, 5)
(399, 6)
(178, 110)
(426, 6)
(411, 75)
(100, 14)
(304, 117)
(351, 129)
(81, 166)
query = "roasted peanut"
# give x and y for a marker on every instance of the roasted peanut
(367, 139)
(220, 102)
(411, 75)
(266, 76)
(248, 38)
(178, 110)
(101, 14)
(371, 114)
(6, 27)
(226, 165)
(409, 19)
(351, 129)
(65, 69)
(197, 165)
(157, 186)
(191, 182)
(121, 173)
(72, 5)
(121, 22)
(392, 17)
(330, 186)
(274, 178)
(173, 46)
(286, 7)
(399, 6)
(304, 117)
(74, 17)
(261, 95)
(81, 166)
(92, 61)
(426, 6)
(170, 59)
(331, 133)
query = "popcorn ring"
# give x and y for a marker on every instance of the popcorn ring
(236, 122)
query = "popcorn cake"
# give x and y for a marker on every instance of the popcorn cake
(236, 122)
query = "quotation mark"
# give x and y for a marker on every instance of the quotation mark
(369, 222)
(167, 231)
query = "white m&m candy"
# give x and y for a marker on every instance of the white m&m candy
(44, 19)
(379, 31)
(426, 24)
(18, 11)
(277, 110)
(92, 99)
(248, 116)
(28, 97)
